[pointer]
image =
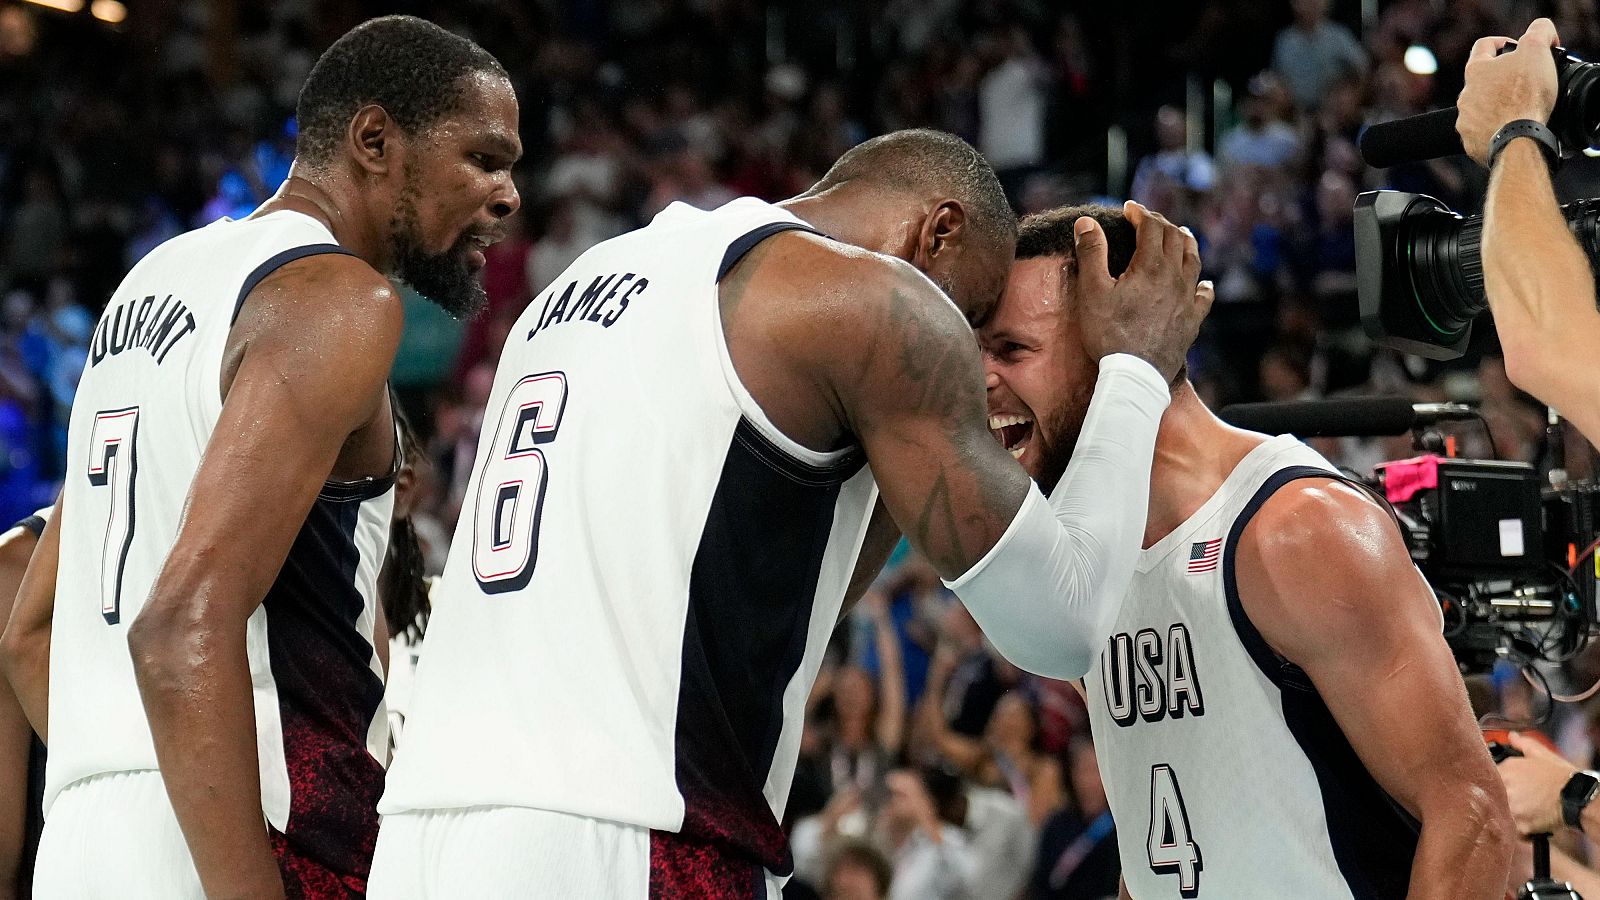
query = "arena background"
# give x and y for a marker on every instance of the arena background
(124, 124)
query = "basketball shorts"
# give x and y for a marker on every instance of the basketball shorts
(114, 837)
(505, 852)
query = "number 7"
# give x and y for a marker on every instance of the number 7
(113, 461)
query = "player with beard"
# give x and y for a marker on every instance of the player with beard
(1277, 711)
(206, 667)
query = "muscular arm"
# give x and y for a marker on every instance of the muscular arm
(1536, 276)
(322, 339)
(1541, 289)
(1365, 627)
(16, 737)
(25, 648)
(882, 536)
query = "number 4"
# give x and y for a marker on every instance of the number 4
(1172, 848)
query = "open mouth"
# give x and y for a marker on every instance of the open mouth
(1012, 432)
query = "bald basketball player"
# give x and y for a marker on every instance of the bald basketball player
(1276, 710)
(688, 437)
(208, 674)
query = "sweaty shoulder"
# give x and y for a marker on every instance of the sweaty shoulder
(337, 285)
(331, 300)
(841, 320)
(1322, 559)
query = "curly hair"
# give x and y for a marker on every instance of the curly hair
(1050, 234)
(410, 67)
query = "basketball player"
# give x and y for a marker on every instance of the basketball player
(21, 754)
(1276, 711)
(672, 495)
(228, 496)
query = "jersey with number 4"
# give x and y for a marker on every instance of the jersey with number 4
(150, 395)
(1226, 774)
(645, 571)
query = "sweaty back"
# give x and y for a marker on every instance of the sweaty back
(645, 571)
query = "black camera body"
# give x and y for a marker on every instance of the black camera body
(1497, 551)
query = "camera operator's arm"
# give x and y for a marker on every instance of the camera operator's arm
(1536, 276)
(1366, 629)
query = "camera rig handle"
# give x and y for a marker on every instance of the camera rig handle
(1541, 886)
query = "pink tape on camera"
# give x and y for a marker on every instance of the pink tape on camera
(1404, 478)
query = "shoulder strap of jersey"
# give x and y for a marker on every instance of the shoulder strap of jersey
(1281, 672)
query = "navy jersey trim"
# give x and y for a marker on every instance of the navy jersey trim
(746, 242)
(1373, 838)
(277, 262)
(763, 448)
(34, 523)
(327, 697)
(1276, 668)
(752, 587)
(371, 486)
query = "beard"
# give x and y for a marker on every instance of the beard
(443, 278)
(1057, 433)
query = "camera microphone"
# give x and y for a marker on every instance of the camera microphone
(1344, 417)
(1412, 139)
(1432, 135)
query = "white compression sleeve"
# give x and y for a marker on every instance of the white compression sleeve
(1047, 592)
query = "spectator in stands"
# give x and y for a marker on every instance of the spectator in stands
(1078, 846)
(1263, 136)
(38, 231)
(932, 856)
(857, 872)
(869, 714)
(1007, 756)
(1011, 107)
(1174, 178)
(1312, 52)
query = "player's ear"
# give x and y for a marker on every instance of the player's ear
(372, 139)
(941, 228)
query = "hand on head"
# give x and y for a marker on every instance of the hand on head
(1502, 88)
(1154, 309)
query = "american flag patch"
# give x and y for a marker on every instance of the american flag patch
(1203, 556)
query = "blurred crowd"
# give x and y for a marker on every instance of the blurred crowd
(931, 768)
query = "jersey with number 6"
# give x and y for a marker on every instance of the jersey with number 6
(1226, 774)
(149, 398)
(645, 571)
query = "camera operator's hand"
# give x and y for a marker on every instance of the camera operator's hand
(1154, 309)
(1500, 89)
(1533, 785)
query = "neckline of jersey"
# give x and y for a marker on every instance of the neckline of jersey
(1247, 467)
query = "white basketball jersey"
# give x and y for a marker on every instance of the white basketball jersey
(1226, 774)
(144, 412)
(645, 571)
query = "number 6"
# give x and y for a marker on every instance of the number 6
(506, 511)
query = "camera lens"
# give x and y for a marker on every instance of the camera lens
(1577, 112)
(1446, 269)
